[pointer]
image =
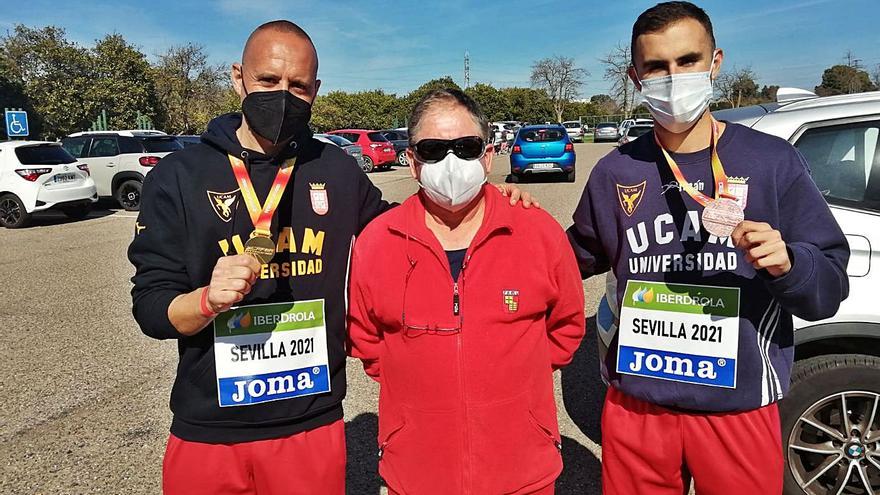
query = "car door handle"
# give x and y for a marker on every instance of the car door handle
(111, 164)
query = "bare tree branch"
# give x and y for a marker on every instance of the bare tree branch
(560, 79)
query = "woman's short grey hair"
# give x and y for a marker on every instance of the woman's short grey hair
(446, 97)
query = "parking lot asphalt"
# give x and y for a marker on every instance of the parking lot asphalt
(85, 393)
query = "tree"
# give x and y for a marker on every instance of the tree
(605, 105)
(843, 79)
(410, 100)
(560, 79)
(737, 87)
(491, 100)
(372, 109)
(191, 91)
(528, 105)
(875, 76)
(617, 63)
(56, 76)
(768, 93)
(577, 109)
(124, 83)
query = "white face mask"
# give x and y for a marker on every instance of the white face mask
(678, 100)
(452, 182)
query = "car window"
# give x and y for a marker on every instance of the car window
(637, 131)
(571, 125)
(129, 144)
(104, 146)
(43, 154)
(161, 144)
(603, 126)
(76, 146)
(845, 162)
(542, 135)
(339, 140)
(376, 136)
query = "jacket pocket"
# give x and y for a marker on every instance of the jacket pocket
(511, 449)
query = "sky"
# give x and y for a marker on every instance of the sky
(397, 46)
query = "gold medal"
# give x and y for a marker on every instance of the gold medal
(261, 247)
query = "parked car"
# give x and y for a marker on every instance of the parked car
(400, 139)
(38, 176)
(575, 130)
(831, 416)
(634, 132)
(188, 140)
(119, 160)
(626, 124)
(605, 131)
(350, 148)
(377, 150)
(540, 149)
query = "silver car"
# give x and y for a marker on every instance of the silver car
(353, 150)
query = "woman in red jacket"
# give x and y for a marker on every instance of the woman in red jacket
(461, 308)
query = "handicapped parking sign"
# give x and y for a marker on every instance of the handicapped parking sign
(16, 123)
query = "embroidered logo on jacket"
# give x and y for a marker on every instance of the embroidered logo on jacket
(630, 197)
(739, 187)
(320, 202)
(511, 300)
(223, 203)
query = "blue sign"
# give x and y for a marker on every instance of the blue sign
(16, 123)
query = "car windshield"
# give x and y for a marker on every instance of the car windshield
(606, 125)
(161, 144)
(638, 130)
(43, 154)
(338, 140)
(541, 135)
(571, 125)
(376, 136)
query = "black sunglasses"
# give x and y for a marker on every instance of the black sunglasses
(434, 150)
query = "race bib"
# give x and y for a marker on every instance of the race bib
(683, 333)
(271, 352)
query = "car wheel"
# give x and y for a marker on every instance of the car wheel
(368, 164)
(13, 214)
(77, 212)
(128, 194)
(401, 159)
(570, 176)
(831, 426)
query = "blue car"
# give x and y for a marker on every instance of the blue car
(542, 149)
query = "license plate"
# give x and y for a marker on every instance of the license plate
(61, 178)
(543, 166)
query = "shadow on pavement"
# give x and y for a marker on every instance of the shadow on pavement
(581, 474)
(362, 468)
(583, 391)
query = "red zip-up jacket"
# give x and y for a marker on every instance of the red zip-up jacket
(466, 401)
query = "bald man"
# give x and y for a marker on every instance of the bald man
(241, 253)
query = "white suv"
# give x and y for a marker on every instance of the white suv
(119, 160)
(37, 176)
(831, 415)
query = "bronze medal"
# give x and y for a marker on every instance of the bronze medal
(721, 217)
(260, 247)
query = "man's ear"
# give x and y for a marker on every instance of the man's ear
(317, 88)
(237, 80)
(717, 59)
(634, 77)
(411, 159)
(487, 158)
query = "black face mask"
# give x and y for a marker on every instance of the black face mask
(276, 115)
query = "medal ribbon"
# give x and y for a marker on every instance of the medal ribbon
(720, 177)
(261, 216)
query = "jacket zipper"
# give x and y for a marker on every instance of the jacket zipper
(466, 464)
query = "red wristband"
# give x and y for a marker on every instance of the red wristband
(206, 310)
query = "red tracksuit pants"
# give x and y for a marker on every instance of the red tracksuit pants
(306, 463)
(651, 450)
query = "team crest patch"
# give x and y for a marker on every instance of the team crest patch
(223, 203)
(739, 187)
(511, 300)
(320, 203)
(630, 197)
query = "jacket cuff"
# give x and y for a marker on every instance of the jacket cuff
(802, 269)
(151, 313)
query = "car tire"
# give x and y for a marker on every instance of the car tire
(368, 164)
(128, 194)
(821, 386)
(13, 214)
(77, 212)
(401, 158)
(570, 177)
